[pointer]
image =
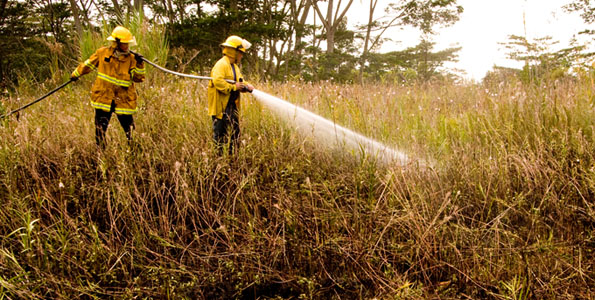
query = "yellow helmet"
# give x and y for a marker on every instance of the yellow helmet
(237, 42)
(122, 35)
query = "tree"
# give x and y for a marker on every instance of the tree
(81, 13)
(53, 18)
(24, 31)
(421, 14)
(541, 61)
(368, 27)
(586, 8)
(332, 21)
(78, 24)
(426, 62)
(340, 64)
(284, 43)
(299, 11)
(418, 63)
(297, 29)
(266, 23)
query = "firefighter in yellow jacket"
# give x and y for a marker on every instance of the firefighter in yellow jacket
(113, 90)
(224, 97)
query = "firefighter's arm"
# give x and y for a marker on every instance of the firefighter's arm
(245, 87)
(218, 74)
(242, 85)
(138, 71)
(86, 67)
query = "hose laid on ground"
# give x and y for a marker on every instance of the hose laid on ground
(43, 97)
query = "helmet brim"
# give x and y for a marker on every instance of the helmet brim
(131, 42)
(241, 49)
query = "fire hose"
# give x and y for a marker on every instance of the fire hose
(39, 99)
(325, 129)
(144, 59)
(178, 73)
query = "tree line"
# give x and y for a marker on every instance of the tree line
(292, 39)
(305, 39)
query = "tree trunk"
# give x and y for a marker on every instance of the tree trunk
(330, 41)
(181, 7)
(331, 23)
(85, 7)
(314, 39)
(77, 18)
(330, 34)
(365, 51)
(118, 10)
(299, 27)
(2, 9)
(169, 10)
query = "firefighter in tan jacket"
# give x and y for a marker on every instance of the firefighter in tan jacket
(224, 97)
(113, 90)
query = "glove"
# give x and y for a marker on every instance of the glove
(247, 88)
(138, 57)
(73, 78)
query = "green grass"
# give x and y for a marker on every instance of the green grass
(150, 38)
(507, 213)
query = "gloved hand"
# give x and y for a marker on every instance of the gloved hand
(73, 78)
(247, 88)
(244, 87)
(138, 57)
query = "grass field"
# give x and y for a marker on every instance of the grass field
(507, 211)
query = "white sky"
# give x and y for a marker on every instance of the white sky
(483, 25)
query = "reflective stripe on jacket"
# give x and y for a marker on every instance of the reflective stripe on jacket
(219, 90)
(115, 79)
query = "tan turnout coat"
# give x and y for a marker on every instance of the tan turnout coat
(115, 79)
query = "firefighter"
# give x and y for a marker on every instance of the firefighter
(113, 90)
(224, 97)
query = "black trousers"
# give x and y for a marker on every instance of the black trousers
(102, 119)
(227, 129)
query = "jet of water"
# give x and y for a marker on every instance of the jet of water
(324, 130)
(328, 132)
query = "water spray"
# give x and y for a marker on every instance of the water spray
(304, 120)
(328, 131)
(323, 129)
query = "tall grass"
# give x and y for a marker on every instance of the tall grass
(508, 213)
(150, 38)
(2, 108)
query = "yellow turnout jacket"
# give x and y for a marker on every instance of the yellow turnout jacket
(219, 90)
(115, 79)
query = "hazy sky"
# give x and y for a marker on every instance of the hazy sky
(486, 23)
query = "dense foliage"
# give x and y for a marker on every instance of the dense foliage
(40, 38)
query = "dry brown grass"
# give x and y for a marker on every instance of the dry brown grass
(508, 212)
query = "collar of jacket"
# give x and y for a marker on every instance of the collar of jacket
(118, 54)
(230, 60)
